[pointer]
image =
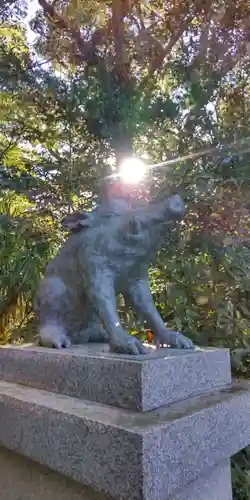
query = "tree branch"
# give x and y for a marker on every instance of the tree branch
(86, 49)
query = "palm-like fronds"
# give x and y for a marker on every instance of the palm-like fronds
(26, 244)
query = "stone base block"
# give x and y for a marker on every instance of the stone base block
(23, 479)
(125, 454)
(139, 383)
(215, 485)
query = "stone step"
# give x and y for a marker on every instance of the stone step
(141, 383)
(127, 455)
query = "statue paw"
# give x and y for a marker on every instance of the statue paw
(50, 336)
(127, 345)
(176, 339)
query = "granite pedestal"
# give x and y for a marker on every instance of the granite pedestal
(156, 427)
(139, 383)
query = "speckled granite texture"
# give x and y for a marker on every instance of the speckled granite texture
(215, 485)
(139, 383)
(23, 479)
(127, 455)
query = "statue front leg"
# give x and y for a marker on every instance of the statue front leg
(50, 306)
(102, 295)
(94, 330)
(139, 295)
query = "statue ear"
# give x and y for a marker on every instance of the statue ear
(76, 221)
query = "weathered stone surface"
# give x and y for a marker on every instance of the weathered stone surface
(23, 479)
(215, 485)
(126, 454)
(139, 383)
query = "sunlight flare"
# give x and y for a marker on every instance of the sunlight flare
(132, 170)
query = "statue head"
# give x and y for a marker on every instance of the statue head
(144, 226)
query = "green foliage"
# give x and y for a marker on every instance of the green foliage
(241, 475)
(203, 289)
(26, 244)
(179, 84)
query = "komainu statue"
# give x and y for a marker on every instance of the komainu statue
(108, 251)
